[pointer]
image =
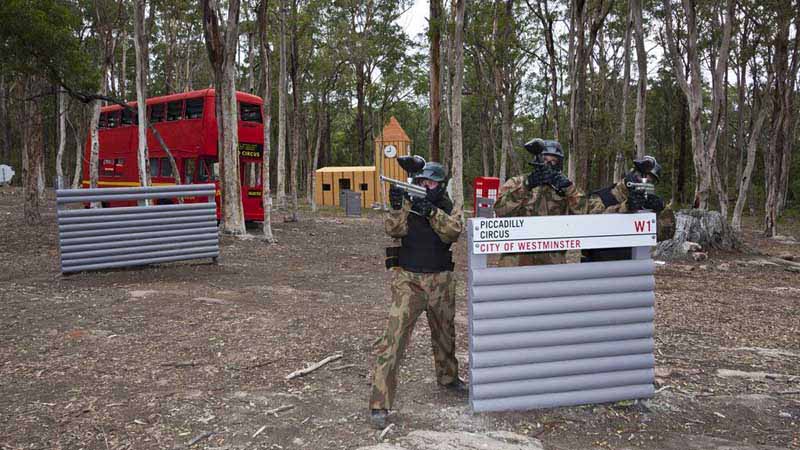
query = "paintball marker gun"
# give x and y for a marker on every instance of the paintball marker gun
(643, 188)
(413, 165)
(413, 190)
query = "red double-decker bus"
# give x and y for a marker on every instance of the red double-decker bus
(187, 122)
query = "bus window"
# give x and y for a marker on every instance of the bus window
(188, 170)
(250, 112)
(103, 121)
(194, 108)
(107, 167)
(174, 110)
(153, 167)
(207, 171)
(157, 113)
(252, 173)
(166, 168)
(128, 116)
(113, 119)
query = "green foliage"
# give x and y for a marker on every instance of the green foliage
(40, 37)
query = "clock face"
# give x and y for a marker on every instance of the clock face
(390, 151)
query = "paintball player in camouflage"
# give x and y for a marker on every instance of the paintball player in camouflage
(634, 193)
(422, 281)
(543, 192)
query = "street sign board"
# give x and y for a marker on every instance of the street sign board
(556, 233)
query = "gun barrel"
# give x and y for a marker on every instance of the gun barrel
(647, 188)
(412, 189)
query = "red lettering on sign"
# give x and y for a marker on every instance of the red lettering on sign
(638, 225)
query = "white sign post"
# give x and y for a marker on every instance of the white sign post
(563, 334)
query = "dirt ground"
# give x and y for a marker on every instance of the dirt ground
(195, 355)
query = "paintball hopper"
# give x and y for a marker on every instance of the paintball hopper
(540, 146)
(413, 165)
(648, 165)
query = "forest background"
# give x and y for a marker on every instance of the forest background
(709, 88)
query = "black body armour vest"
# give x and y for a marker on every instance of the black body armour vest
(422, 250)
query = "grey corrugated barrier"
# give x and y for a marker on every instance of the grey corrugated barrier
(559, 335)
(101, 238)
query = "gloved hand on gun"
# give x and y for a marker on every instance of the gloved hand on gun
(546, 166)
(641, 185)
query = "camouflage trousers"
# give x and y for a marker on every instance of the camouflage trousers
(531, 259)
(413, 293)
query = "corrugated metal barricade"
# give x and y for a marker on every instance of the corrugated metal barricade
(566, 334)
(102, 238)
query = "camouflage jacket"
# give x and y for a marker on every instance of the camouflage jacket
(447, 227)
(515, 200)
(665, 220)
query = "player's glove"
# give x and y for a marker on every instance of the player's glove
(654, 203)
(636, 200)
(542, 174)
(560, 183)
(423, 207)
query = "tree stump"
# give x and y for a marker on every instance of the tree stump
(709, 229)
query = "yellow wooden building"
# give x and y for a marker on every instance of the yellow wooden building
(392, 142)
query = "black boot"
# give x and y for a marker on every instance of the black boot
(458, 386)
(377, 418)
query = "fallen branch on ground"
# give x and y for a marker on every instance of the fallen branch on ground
(282, 408)
(199, 438)
(314, 367)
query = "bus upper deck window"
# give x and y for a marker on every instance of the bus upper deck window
(113, 119)
(128, 116)
(157, 113)
(174, 110)
(103, 121)
(250, 112)
(194, 108)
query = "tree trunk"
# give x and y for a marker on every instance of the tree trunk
(221, 42)
(280, 195)
(704, 144)
(458, 81)
(5, 123)
(142, 68)
(709, 229)
(263, 48)
(435, 25)
(123, 76)
(752, 145)
(578, 166)
(33, 154)
(619, 161)
(322, 131)
(641, 92)
(79, 146)
(62, 140)
(542, 11)
(251, 62)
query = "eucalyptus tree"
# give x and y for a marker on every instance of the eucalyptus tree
(704, 137)
(39, 47)
(263, 25)
(221, 37)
